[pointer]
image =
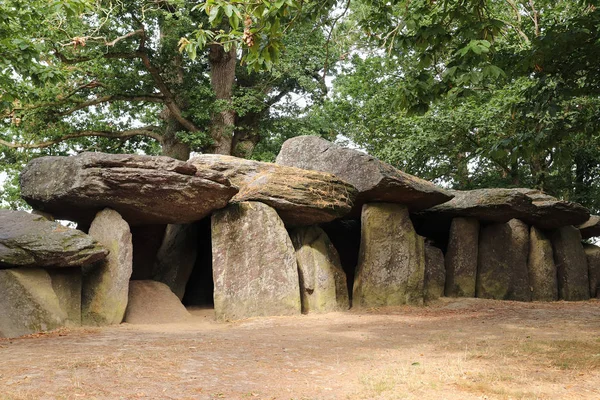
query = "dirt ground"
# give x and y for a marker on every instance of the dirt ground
(454, 349)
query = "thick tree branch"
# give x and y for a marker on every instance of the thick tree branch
(111, 99)
(148, 131)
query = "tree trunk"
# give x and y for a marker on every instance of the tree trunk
(222, 77)
(171, 146)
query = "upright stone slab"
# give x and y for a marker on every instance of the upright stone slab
(435, 273)
(176, 257)
(502, 262)
(461, 258)
(106, 285)
(593, 257)
(28, 303)
(542, 270)
(391, 265)
(322, 280)
(254, 263)
(571, 264)
(66, 283)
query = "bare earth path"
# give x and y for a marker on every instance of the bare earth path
(455, 349)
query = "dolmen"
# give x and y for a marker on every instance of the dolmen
(322, 229)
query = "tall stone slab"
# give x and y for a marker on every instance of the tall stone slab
(106, 285)
(176, 257)
(542, 270)
(593, 258)
(28, 303)
(571, 264)
(254, 263)
(66, 283)
(391, 265)
(323, 285)
(461, 258)
(435, 273)
(502, 262)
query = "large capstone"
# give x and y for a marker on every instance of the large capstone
(590, 228)
(542, 270)
(461, 258)
(391, 266)
(435, 273)
(375, 180)
(323, 285)
(28, 303)
(143, 189)
(254, 263)
(152, 302)
(501, 205)
(502, 262)
(571, 264)
(301, 197)
(106, 284)
(592, 253)
(29, 240)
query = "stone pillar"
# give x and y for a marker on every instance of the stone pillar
(542, 270)
(461, 257)
(502, 262)
(571, 264)
(435, 273)
(593, 258)
(254, 263)
(391, 265)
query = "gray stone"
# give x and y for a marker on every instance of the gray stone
(391, 265)
(143, 189)
(461, 258)
(323, 285)
(501, 205)
(28, 240)
(502, 262)
(28, 303)
(375, 180)
(106, 285)
(301, 197)
(571, 264)
(176, 257)
(592, 253)
(435, 273)
(254, 263)
(66, 283)
(152, 302)
(590, 228)
(542, 270)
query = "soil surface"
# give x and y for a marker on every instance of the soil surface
(453, 349)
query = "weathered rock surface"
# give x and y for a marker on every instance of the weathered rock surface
(571, 264)
(301, 197)
(105, 285)
(28, 240)
(28, 303)
(254, 263)
(143, 189)
(590, 228)
(435, 273)
(461, 258)
(152, 302)
(542, 270)
(323, 285)
(501, 205)
(502, 262)
(375, 180)
(66, 283)
(176, 257)
(593, 258)
(391, 265)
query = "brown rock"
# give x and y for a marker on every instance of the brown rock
(571, 264)
(592, 253)
(542, 271)
(152, 302)
(435, 273)
(590, 228)
(461, 257)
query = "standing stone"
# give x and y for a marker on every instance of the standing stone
(254, 263)
(322, 280)
(461, 257)
(502, 262)
(66, 283)
(391, 265)
(593, 257)
(435, 273)
(542, 270)
(176, 257)
(571, 264)
(106, 285)
(28, 303)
